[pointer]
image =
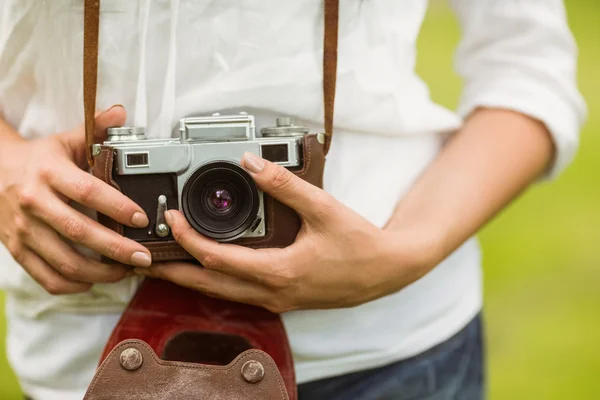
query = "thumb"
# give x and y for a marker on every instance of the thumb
(305, 198)
(74, 141)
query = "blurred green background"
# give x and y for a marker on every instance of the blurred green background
(541, 255)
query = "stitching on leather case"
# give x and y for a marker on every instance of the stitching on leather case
(270, 233)
(107, 178)
(302, 172)
(162, 245)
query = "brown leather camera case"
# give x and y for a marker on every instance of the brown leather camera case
(282, 223)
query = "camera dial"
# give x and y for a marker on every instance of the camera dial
(126, 133)
(285, 127)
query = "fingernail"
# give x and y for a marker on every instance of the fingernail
(116, 105)
(141, 259)
(140, 220)
(141, 271)
(253, 163)
(169, 217)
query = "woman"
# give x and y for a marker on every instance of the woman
(381, 294)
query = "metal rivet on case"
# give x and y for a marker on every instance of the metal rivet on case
(131, 359)
(321, 138)
(96, 150)
(253, 371)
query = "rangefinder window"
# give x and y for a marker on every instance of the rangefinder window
(137, 160)
(275, 152)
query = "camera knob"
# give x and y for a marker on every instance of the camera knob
(285, 121)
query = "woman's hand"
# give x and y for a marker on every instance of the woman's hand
(38, 179)
(339, 259)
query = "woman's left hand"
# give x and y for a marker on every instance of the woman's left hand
(339, 259)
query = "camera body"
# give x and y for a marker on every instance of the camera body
(200, 174)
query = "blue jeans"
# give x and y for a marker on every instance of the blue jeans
(452, 370)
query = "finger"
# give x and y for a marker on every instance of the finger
(308, 200)
(215, 284)
(81, 229)
(69, 262)
(91, 192)
(53, 282)
(74, 140)
(240, 261)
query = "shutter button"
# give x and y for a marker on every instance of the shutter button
(253, 371)
(131, 359)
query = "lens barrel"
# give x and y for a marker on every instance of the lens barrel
(220, 200)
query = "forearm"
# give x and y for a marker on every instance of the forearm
(481, 169)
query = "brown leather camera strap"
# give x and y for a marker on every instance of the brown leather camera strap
(91, 26)
(330, 49)
(90, 68)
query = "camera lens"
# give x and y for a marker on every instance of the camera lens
(220, 200)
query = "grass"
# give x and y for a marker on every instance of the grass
(541, 255)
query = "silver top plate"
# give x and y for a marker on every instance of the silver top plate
(217, 128)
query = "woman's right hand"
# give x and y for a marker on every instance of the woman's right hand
(38, 180)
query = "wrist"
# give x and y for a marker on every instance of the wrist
(9, 138)
(412, 251)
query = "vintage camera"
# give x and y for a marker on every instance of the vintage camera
(199, 173)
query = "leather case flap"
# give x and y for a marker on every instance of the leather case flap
(133, 371)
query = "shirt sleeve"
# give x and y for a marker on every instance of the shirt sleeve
(521, 55)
